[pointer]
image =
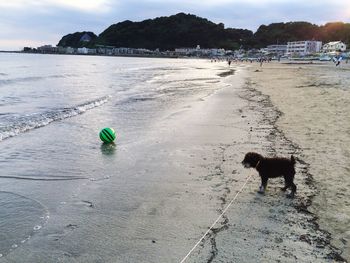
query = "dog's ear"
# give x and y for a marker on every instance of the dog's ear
(257, 165)
(253, 158)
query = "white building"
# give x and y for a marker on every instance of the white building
(47, 49)
(84, 50)
(277, 49)
(185, 51)
(70, 50)
(205, 52)
(303, 48)
(216, 52)
(334, 47)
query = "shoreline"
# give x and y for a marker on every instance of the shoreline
(172, 179)
(102, 55)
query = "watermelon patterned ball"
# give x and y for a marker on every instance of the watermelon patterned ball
(107, 135)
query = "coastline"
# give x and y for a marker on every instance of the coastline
(168, 186)
(104, 55)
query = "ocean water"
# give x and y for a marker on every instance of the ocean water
(63, 193)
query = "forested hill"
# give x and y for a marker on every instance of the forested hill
(293, 31)
(78, 39)
(167, 33)
(176, 31)
(186, 30)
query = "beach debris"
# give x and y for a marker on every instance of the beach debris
(227, 73)
(90, 204)
(305, 238)
(37, 227)
(72, 226)
(278, 240)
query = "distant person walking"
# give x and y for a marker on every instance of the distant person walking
(338, 61)
(261, 61)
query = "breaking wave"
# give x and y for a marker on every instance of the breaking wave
(26, 123)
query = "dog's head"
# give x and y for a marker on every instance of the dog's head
(251, 160)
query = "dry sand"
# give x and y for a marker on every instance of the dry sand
(313, 101)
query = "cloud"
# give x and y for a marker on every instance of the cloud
(46, 21)
(17, 44)
(83, 5)
(238, 13)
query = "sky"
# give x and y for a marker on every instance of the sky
(37, 22)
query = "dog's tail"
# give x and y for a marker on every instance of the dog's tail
(292, 159)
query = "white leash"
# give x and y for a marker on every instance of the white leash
(211, 227)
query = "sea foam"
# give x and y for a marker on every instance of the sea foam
(29, 122)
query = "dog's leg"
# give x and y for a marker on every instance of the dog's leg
(286, 185)
(263, 185)
(294, 189)
(289, 183)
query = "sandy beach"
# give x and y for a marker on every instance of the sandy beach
(314, 104)
(177, 165)
(271, 228)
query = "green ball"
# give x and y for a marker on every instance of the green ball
(107, 135)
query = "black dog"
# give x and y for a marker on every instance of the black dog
(271, 168)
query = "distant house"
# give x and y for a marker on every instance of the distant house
(185, 51)
(277, 49)
(206, 52)
(105, 50)
(70, 50)
(85, 38)
(334, 47)
(302, 48)
(217, 52)
(84, 50)
(47, 49)
(27, 49)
